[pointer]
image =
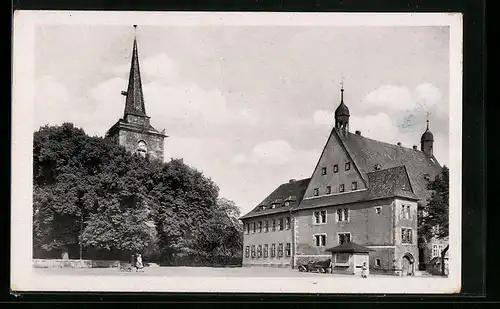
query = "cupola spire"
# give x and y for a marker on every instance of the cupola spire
(342, 113)
(427, 140)
(134, 102)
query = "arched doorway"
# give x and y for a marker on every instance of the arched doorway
(408, 264)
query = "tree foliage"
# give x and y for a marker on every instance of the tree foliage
(92, 194)
(435, 214)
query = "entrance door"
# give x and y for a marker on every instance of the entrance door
(407, 266)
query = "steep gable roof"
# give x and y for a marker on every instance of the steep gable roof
(392, 182)
(292, 191)
(367, 153)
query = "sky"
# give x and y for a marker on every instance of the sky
(249, 106)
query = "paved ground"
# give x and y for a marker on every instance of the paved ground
(188, 272)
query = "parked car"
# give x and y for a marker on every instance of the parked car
(318, 266)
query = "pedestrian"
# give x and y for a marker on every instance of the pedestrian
(364, 270)
(139, 265)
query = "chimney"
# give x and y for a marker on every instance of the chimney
(358, 132)
(399, 143)
(415, 147)
(291, 181)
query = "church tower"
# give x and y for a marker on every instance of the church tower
(134, 130)
(342, 115)
(427, 141)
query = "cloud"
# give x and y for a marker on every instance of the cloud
(322, 117)
(159, 66)
(54, 104)
(423, 98)
(276, 152)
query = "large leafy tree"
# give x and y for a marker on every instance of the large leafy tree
(91, 196)
(435, 215)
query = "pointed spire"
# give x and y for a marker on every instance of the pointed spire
(342, 90)
(427, 121)
(134, 103)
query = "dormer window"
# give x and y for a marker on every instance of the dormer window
(142, 148)
(273, 205)
(427, 177)
(287, 203)
(377, 167)
(347, 166)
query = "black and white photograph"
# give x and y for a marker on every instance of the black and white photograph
(236, 152)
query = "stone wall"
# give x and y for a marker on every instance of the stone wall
(60, 263)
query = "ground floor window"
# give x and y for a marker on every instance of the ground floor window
(247, 251)
(259, 251)
(342, 259)
(273, 250)
(377, 262)
(320, 240)
(406, 235)
(280, 250)
(288, 249)
(266, 250)
(253, 251)
(436, 250)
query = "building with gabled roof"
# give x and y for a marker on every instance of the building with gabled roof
(361, 190)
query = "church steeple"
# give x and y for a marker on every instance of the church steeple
(342, 113)
(427, 140)
(134, 103)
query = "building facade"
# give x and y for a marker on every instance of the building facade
(362, 191)
(134, 131)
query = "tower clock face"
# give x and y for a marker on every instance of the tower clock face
(142, 148)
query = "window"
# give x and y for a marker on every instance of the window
(266, 250)
(323, 171)
(342, 259)
(253, 251)
(287, 223)
(405, 211)
(274, 225)
(266, 226)
(436, 250)
(320, 240)
(259, 251)
(328, 190)
(341, 188)
(260, 226)
(254, 227)
(344, 237)
(342, 214)
(142, 148)
(288, 249)
(347, 166)
(281, 224)
(316, 191)
(354, 185)
(273, 250)
(247, 227)
(336, 168)
(287, 203)
(247, 251)
(406, 235)
(378, 210)
(273, 205)
(320, 217)
(377, 262)
(263, 207)
(280, 250)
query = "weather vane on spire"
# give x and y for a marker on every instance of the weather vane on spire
(135, 31)
(427, 120)
(342, 83)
